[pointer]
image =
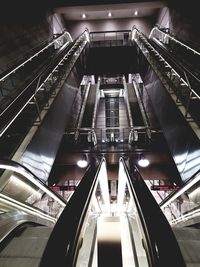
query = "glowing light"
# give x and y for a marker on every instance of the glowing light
(82, 163)
(136, 13)
(143, 162)
(83, 16)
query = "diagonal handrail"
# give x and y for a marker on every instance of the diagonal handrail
(11, 165)
(65, 239)
(12, 111)
(157, 28)
(158, 232)
(4, 76)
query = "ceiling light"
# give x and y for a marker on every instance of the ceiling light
(83, 16)
(109, 14)
(142, 162)
(136, 13)
(82, 163)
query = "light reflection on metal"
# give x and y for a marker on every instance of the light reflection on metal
(19, 205)
(121, 188)
(181, 191)
(33, 180)
(103, 182)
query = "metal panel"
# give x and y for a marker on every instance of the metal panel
(41, 151)
(182, 141)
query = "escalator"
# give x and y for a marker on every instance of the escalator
(92, 230)
(15, 79)
(187, 55)
(135, 110)
(29, 211)
(122, 233)
(189, 73)
(30, 105)
(178, 63)
(89, 108)
(180, 80)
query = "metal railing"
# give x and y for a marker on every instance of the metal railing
(110, 38)
(99, 136)
(150, 216)
(67, 237)
(162, 35)
(182, 206)
(178, 79)
(20, 189)
(43, 82)
(57, 40)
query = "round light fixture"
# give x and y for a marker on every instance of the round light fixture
(109, 14)
(136, 13)
(142, 162)
(82, 163)
(83, 16)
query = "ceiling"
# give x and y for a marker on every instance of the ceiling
(118, 10)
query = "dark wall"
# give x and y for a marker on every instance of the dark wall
(24, 27)
(21, 31)
(185, 27)
(182, 18)
(112, 60)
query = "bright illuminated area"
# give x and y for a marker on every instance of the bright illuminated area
(109, 14)
(82, 163)
(143, 162)
(136, 13)
(83, 16)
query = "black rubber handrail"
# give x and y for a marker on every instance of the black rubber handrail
(23, 169)
(163, 249)
(65, 240)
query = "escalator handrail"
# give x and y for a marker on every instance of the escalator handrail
(164, 249)
(44, 73)
(151, 253)
(185, 186)
(181, 68)
(8, 164)
(178, 65)
(65, 240)
(173, 38)
(6, 74)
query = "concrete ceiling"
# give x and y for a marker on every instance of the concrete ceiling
(100, 12)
